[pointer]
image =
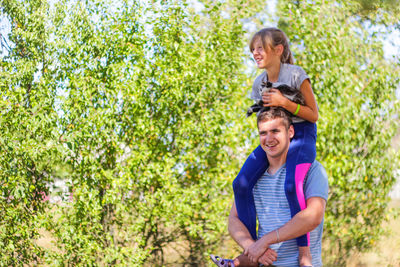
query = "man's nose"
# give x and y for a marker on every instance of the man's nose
(268, 137)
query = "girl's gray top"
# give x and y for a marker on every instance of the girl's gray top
(290, 75)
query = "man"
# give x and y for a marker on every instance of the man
(277, 230)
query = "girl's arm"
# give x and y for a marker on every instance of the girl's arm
(307, 112)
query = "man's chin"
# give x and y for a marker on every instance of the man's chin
(271, 150)
(274, 154)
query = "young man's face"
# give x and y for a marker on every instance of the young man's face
(275, 137)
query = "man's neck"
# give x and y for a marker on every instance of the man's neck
(275, 164)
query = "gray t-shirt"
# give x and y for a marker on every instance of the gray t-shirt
(290, 75)
(273, 211)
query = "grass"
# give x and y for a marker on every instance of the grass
(387, 251)
(385, 254)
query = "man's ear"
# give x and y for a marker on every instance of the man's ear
(291, 131)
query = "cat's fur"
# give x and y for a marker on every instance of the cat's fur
(286, 90)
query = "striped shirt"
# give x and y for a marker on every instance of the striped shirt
(273, 211)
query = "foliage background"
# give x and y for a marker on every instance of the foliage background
(139, 107)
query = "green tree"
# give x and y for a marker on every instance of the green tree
(147, 117)
(29, 147)
(139, 107)
(383, 12)
(355, 89)
(149, 111)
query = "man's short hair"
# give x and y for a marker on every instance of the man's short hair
(270, 113)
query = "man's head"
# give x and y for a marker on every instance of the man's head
(275, 129)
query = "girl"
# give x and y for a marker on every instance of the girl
(271, 52)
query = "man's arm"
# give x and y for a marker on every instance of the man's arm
(238, 230)
(242, 236)
(302, 223)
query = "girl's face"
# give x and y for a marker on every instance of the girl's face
(265, 58)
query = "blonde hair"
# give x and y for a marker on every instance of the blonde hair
(271, 37)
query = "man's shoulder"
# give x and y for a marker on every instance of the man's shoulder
(317, 171)
(316, 183)
(317, 165)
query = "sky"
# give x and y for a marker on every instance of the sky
(391, 45)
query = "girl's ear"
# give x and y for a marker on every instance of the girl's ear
(278, 49)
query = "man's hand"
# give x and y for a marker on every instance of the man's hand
(268, 257)
(256, 250)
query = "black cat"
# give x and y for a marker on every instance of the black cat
(289, 92)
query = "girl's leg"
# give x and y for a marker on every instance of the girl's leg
(255, 165)
(301, 155)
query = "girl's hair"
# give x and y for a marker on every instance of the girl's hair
(272, 37)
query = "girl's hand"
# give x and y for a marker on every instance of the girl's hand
(274, 98)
